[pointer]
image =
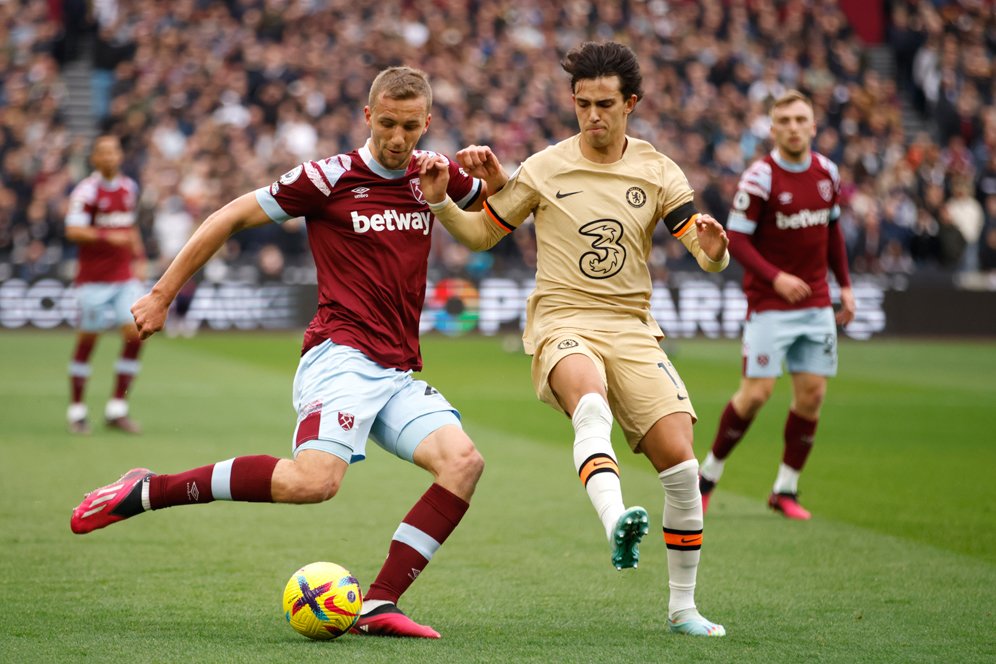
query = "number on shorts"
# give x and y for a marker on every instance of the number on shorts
(678, 384)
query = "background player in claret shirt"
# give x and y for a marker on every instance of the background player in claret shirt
(596, 199)
(369, 228)
(783, 229)
(101, 220)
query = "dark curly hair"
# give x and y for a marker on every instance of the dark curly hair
(596, 59)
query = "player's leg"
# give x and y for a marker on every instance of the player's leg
(335, 414)
(126, 368)
(654, 410)
(668, 446)
(737, 417)
(116, 412)
(93, 301)
(571, 378)
(765, 343)
(811, 359)
(79, 373)
(420, 426)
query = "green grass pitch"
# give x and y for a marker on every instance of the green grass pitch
(897, 565)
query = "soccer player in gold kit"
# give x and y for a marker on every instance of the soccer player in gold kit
(596, 199)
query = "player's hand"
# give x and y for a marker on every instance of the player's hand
(434, 175)
(712, 237)
(847, 307)
(791, 288)
(480, 162)
(150, 314)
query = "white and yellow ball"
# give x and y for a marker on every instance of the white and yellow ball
(322, 601)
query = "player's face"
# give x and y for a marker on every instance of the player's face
(396, 125)
(792, 129)
(602, 112)
(107, 156)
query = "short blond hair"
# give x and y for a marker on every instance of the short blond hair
(401, 83)
(790, 97)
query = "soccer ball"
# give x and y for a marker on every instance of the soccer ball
(322, 601)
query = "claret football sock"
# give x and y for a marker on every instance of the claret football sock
(732, 428)
(421, 533)
(246, 478)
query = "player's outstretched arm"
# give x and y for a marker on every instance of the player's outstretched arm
(150, 310)
(471, 229)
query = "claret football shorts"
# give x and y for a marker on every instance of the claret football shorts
(342, 398)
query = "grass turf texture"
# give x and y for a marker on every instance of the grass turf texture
(898, 564)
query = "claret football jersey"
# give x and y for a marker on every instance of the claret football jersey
(786, 210)
(108, 205)
(369, 229)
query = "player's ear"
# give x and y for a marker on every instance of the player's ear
(366, 114)
(428, 119)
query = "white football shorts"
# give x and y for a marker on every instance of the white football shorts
(342, 397)
(804, 339)
(106, 305)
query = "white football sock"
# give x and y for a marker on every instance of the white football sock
(787, 480)
(116, 408)
(712, 468)
(594, 459)
(682, 532)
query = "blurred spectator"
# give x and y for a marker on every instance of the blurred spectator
(967, 215)
(210, 98)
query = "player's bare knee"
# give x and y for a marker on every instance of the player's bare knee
(751, 399)
(319, 489)
(467, 464)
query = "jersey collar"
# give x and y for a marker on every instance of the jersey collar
(367, 156)
(788, 166)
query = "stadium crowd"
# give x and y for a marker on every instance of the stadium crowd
(212, 98)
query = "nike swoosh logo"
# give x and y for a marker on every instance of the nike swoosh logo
(687, 540)
(570, 193)
(681, 398)
(601, 463)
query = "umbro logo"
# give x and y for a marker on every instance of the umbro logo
(361, 192)
(569, 193)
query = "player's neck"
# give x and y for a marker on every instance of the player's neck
(607, 155)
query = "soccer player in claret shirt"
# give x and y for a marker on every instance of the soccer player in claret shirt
(101, 220)
(369, 228)
(783, 229)
(596, 199)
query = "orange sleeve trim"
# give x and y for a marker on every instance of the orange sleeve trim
(496, 220)
(685, 226)
(597, 463)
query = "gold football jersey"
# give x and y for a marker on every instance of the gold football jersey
(594, 225)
